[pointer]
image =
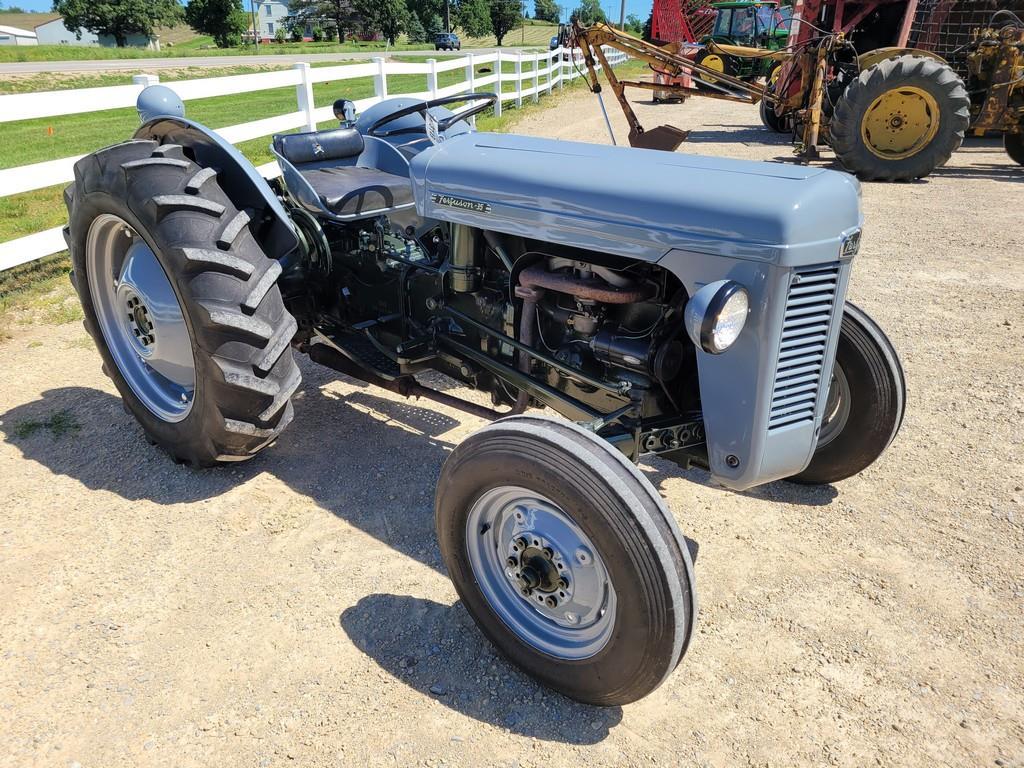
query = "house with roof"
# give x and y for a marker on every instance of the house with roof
(16, 36)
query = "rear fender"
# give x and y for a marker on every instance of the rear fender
(869, 59)
(239, 179)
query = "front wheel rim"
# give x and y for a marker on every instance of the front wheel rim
(140, 318)
(900, 123)
(540, 573)
(837, 408)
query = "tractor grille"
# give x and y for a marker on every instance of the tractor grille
(805, 332)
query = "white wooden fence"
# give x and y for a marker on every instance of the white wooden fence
(521, 84)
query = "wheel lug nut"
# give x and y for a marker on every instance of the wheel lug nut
(512, 562)
(551, 602)
(563, 584)
(548, 553)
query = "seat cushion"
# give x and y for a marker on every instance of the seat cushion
(351, 191)
(313, 147)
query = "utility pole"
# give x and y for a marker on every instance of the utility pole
(522, 22)
(622, 16)
(255, 30)
(447, 15)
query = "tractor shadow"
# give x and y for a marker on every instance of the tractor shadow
(437, 650)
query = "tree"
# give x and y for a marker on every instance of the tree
(648, 26)
(389, 17)
(547, 10)
(414, 29)
(340, 16)
(433, 25)
(588, 12)
(505, 16)
(424, 9)
(118, 18)
(634, 25)
(474, 17)
(223, 20)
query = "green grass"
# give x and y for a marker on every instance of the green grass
(58, 424)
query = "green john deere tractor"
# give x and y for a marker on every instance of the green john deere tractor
(762, 24)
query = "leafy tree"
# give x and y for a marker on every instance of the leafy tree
(433, 25)
(389, 17)
(547, 10)
(424, 9)
(318, 34)
(414, 29)
(505, 16)
(340, 16)
(280, 36)
(634, 25)
(118, 18)
(588, 12)
(223, 20)
(648, 26)
(474, 17)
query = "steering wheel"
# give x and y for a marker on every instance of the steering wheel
(486, 100)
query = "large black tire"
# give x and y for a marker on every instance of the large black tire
(877, 399)
(627, 521)
(239, 329)
(947, 123)
(1013, 143)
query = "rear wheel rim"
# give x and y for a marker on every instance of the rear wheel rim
(140, 318)
(540, 573)
(900, 123)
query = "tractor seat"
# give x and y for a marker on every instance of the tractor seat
(346, 190)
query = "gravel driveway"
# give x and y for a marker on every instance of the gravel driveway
(294, 611)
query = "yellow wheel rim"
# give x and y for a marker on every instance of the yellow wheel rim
(715, 62)
(774, 75)
(900, 123)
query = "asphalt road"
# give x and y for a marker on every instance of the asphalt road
(121, 65)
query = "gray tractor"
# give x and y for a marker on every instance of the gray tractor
(654, 315)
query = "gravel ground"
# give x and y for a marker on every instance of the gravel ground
(294, 610)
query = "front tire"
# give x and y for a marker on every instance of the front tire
(900, 119)
(865, 404)
(181, 302)
(1013, 143)
(567, 558)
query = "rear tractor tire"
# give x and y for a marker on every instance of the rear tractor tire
(181, 302)
(567, 558)
(900, 119)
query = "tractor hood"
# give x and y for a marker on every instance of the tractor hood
(638, 203)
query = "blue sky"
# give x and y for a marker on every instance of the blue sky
(611, 7)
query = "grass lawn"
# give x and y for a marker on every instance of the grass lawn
(40, 290)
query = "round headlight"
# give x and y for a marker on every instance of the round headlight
(715, 315)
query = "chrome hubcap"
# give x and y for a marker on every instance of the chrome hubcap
(140, 318)
(540, 573)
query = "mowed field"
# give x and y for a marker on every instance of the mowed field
(294, 610)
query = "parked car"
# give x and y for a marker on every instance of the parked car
(447, 41)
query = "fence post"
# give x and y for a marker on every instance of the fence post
(536, 78)
(304, 94)
(561, 68)
(549, 67)
(470, 77)
(145, 80)
(432, 78)
(380, 80)
(519, 80)
(497, 85)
